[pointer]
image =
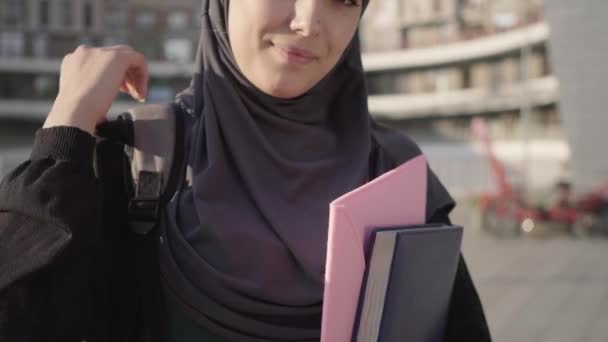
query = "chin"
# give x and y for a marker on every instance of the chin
(284, 93)
(286, 89)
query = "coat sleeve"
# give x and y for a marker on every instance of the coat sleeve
(466, 318)
(49, 222)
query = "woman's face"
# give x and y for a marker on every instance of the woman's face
(285, 47)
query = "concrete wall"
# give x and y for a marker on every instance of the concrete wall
(578, 48)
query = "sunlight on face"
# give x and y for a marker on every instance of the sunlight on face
(285, 47)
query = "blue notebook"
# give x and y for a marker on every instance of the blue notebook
(408, 284)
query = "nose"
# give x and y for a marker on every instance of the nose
(307, 17)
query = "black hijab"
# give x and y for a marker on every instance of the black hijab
(246, 234)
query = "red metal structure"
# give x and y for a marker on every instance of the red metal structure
(505, 212)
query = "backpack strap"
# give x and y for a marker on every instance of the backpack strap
(154, 140)
(156, 154)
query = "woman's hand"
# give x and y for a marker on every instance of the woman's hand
(90, 79)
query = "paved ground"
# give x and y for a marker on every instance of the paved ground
(545, 289)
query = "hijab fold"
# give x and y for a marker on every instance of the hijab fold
(246, 235)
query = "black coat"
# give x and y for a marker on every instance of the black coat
(67, 255)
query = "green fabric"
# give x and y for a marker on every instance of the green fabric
(183, 329)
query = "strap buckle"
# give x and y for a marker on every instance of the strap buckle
(144, 207)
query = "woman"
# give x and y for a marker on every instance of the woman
(279, 128)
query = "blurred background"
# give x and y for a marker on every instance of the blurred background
(504, 96)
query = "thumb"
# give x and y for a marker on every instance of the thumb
(137, 74)
(132, 85)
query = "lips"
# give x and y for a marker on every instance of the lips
(296, 55)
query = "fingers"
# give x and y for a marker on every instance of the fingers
(130, 86)
(137, 71)
(133, 65)
(136, 77)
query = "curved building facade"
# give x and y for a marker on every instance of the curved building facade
(444, 61)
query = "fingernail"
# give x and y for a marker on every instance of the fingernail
(142, 100)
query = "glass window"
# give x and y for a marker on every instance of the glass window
(11, 13)
(88, 15)
(40, 45)
(381, 83)
(11, 44)
(145, 19)
(178, 50)
(177, 20)
(149, 47)
(44, 13)
(111, 40)
(67, 13)
(437, 6)
(475, 2)
(160, 93)
(86, 40)
(43, 85)
(505, 20)
(116, 18)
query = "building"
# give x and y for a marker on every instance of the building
(36, 34)
(431, 65)
(52, 28)
(445, 61)
(580, 51)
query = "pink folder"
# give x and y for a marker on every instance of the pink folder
(396, 198)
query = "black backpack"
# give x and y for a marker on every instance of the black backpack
(154, 139)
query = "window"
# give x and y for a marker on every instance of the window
(44, 85)
(111, 40)
(148, 47)
(437, 6)
(477, 3)
(145, 19)
(44, 13)
(86, 40)
(88, 15)
(12, 13)
(178, 50)
(11, 44)
(67, 13)
(505, 20)
(405, 38)
(116, 18)
(160, 93)
(381, 83)
(177, 20)
(40, 45)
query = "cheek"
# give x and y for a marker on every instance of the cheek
(339, 40)
(248, 33)
(339, 37)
